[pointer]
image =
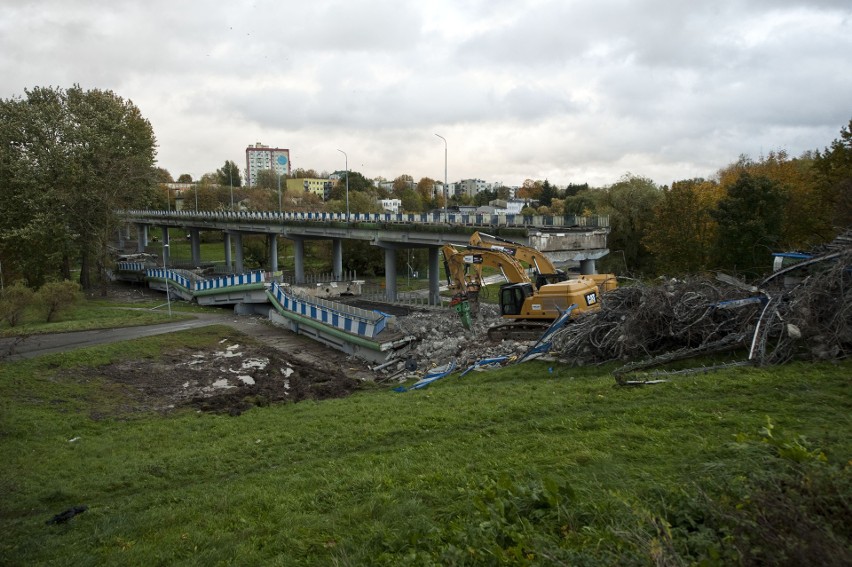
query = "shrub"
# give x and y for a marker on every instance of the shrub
(14, 300)
(53, 297)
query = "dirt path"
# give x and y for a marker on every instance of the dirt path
(305, 350)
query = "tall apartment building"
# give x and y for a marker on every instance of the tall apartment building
(260, 157)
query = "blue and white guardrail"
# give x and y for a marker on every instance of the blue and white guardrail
(361, 322)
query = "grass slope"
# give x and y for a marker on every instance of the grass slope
(532, 464)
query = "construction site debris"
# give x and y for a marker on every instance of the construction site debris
(802, 312)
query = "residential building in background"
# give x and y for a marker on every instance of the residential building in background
(471, 187)
(319, 187)
(391, 205)
(260, 157)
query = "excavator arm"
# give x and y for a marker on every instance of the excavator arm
(464, 267)
(546, 271)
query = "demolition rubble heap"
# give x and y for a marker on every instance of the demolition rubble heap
(442, 337)
(779, 319)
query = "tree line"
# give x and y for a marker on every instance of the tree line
(71, 158)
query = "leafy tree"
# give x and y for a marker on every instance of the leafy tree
(184, 178)
(833, 169)
(557, 206)
(402, 183)
(682, 233)
(262, 199)
(530, 189)
(162, 175)
(585, 202)
(268, 179)
(425, 187)
(357, 183)
(750, 219)
(300, 173)
(630, 205)
(573, 189)
(503, 192)
(14, 301)
(69, 159)
(53, 297)
(548, 192)
(484, 197)
(411, 201)
(809, 210)
(229, 175)
(359, 202)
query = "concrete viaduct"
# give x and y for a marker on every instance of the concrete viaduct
(577, 239)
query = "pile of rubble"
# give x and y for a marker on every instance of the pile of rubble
(802, 312)
(442, 338)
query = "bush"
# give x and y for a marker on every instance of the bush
(53, 297)
(14, 300)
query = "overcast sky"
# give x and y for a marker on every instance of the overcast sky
(568, 90)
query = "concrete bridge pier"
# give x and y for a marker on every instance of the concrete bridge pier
(390, 274)
(272, 239)
(588, 267)
(238, 252)
(299, 259)
(227, 240)
(337, 258)
(165, 245)
(195, 246)
(141, 237)
(434, 278)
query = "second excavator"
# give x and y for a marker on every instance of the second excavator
(531, 307)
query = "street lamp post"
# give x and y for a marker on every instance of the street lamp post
(166, 274)
(446, 193)
(279, 193)
(231, 182)
(347, 183)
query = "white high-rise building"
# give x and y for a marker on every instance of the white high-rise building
(260, 157)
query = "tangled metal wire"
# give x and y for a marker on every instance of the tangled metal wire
(801, 312)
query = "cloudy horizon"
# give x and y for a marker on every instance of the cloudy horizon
(569, 91)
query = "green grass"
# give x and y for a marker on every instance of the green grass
(100, 314)
(533, 463)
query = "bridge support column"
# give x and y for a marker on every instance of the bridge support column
(299, 259)
(227, 239)
(588, 267)
(195, 246)
(337, 259)
(390, 274)
(165, 245)
(238, 252)
(434, 276)
(273, 252)
(141, 237)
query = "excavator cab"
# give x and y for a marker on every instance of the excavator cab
(513, 296)
(545, 279)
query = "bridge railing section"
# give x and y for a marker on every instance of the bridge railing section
(229, 281)
(170, 275)
(507, 220)
(344, 317)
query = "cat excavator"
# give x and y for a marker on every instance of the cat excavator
(544, 270)
(531, 308)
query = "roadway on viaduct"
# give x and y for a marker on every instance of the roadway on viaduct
(563, 238)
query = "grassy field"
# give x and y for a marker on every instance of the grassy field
(533, 464)
(100, 314)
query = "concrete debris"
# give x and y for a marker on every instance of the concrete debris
(442, 338)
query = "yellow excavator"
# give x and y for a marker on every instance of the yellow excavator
(544, 270)
(530, 307)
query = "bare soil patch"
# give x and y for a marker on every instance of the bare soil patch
(231, 378)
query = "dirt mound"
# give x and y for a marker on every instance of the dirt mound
(229, 379)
